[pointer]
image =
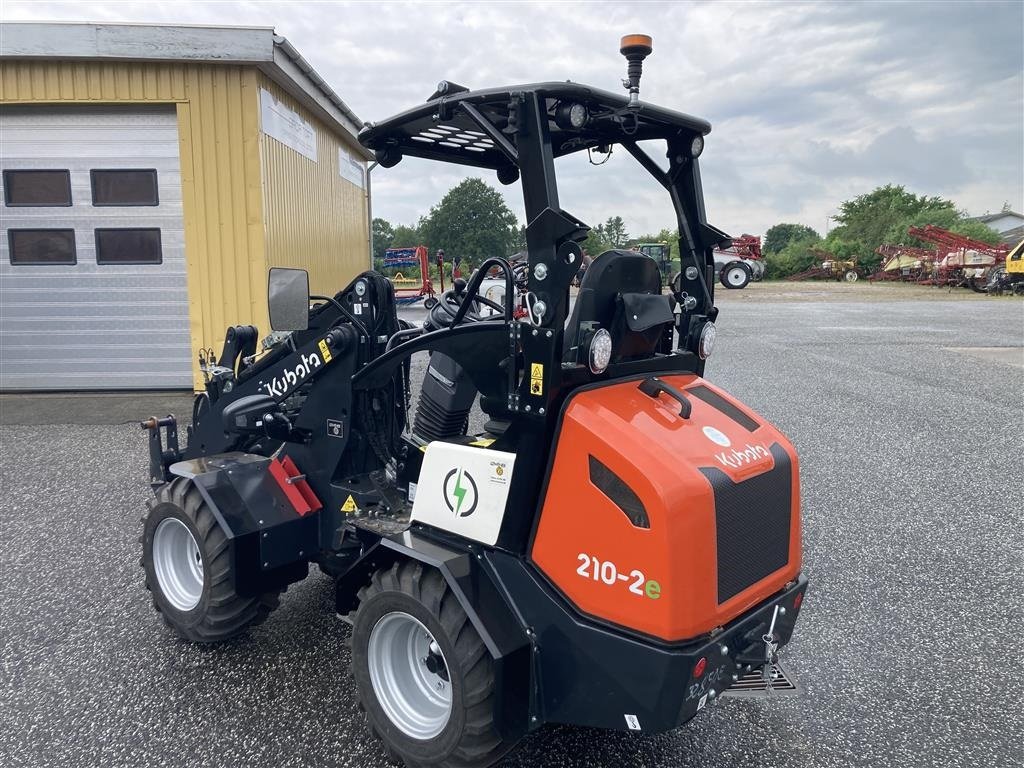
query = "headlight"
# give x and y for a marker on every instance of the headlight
(696, 146)
(599, 351)
(706, 345)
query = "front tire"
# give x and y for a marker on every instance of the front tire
(735, 275)
(187, 561)
(425, 679)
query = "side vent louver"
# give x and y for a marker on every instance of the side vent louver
(612, 486)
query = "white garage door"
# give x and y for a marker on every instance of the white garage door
(93, 292)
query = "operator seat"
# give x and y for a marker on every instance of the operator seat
(620, 292)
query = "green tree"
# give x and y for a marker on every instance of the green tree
(597, 241)
(615, 232)
(796, 256)
(781, 235)
(383, 236)
(866, 219)
(946, 218)
(472, 222)
(406, 237)
(666, 235)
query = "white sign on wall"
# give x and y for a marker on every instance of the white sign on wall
(286, 125)
(350, 168)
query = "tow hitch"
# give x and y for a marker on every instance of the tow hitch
(159, 458)
(770, 679)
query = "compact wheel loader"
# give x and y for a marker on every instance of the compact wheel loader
(618, 548)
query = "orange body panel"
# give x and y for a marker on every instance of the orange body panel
(662, 580)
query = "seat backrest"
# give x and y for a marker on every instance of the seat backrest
(621, 292)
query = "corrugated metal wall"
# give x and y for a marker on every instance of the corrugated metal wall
(218, 124)
(315, 218)
(92, 325)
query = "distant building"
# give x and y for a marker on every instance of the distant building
(1009, 224)
(151, 175)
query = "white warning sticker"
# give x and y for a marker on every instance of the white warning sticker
(633, 722)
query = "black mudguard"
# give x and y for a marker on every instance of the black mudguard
(271, 544)
(476, 587)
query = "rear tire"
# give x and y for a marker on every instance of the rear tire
(425, 679)
(187, 561)
(735, 275)
(851, 276)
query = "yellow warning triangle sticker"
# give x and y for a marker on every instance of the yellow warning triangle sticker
(349, 505)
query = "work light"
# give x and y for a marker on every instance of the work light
(706, 344)
(696, 146)
(599, 351)
(571, 115)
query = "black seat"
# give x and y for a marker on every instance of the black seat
(621, 292)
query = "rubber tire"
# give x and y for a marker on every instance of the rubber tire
(735, 265)
(221, 613)
(851, 276)
(469, 739)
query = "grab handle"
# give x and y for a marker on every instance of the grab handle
(654, 386)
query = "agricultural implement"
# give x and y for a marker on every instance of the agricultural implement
(741, 255)
(831, 267)
(956, 261)
(618, 548)
(408, 289)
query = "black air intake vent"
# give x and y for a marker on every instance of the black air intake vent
(615, 488)
(719, 403)
(752, 522)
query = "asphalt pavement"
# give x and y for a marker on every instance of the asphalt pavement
(908, 420)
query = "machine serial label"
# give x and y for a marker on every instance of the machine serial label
(606, 572)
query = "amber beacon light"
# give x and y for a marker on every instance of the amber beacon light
(635, 48)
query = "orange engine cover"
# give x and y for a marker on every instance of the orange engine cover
(669, 526)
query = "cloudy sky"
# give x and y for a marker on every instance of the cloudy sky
(810, 103)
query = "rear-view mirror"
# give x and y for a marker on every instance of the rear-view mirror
(288, 299)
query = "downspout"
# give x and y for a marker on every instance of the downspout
(369, 212)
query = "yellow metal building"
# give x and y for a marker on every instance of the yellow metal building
(151, 176)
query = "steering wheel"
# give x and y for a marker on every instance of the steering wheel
(443, 313)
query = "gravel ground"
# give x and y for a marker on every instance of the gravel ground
(910, 438)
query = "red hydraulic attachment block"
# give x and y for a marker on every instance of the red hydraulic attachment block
(294, 485)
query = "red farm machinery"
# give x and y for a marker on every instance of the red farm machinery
(410, 289)
(955, 261)
(745, 249)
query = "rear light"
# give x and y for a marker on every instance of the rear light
(798, 601)
(698, 668)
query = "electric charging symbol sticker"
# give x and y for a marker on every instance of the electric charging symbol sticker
(460, 492)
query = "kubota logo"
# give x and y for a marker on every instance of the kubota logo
(289, 376)
(748, 455)
(460, 492)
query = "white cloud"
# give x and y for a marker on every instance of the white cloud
(810, 103)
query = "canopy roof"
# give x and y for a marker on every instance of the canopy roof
(448, 128)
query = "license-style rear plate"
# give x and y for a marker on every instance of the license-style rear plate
(754, 685)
